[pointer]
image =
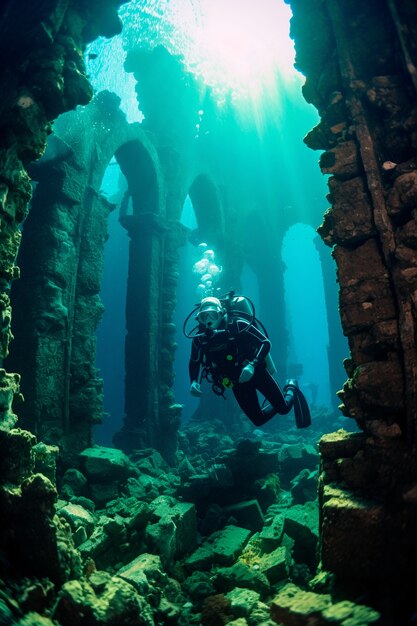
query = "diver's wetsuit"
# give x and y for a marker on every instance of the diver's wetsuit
(225, 352)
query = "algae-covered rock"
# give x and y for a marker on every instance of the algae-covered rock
(275, 565)
(101, 464)
(295, 457)
(271, 535)
(108, 600)
(45, 460)
(350, 614)
(302, 525)
(9, 389)
(16, 455)
(293, 605)
(175, 533)
(248, 514)
(242, 601)
(32, 619)
(221, 548)
(243, 576)
(77, 516)
(199, 585)
(75, 480)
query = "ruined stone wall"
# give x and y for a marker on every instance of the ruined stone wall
(42, 75)
(360, 69)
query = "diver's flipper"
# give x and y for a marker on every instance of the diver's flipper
(301, 410)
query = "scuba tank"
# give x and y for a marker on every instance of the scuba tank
(235, 307)
(243, 307)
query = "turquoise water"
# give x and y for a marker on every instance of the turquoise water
(270, 163)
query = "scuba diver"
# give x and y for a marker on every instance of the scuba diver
(231, 351)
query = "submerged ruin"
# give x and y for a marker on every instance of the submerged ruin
(202, 523)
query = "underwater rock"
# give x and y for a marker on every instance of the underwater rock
(164, 594)
(74, 480)
(175, 533)
(221, 548)
(241, 575)
(293, 458)
(44, 547)
(275, 564)
(242, 601)
(101, 464)
(247, 514)
(369, 527)
(349, 221)
(78, 517)
(34, 619)
(302, 525)
(109, 601)
(341, 444)
(348, 612)
(271, 534)
(403, 195)
(341, 161)
(9, 389)
(45, 460)
(266, 490)
(304, 486)
(199, 585)
(293, 605)
(16, 455)
(143, 488)
(102, 493)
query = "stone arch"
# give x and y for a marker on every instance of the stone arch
(61, 259)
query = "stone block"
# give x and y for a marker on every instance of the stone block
(292, 605)
(242, 601)
(302, 525)
(342, 161)
(403, 195)
(347, 610)
(355, 535)
(295, 457)
(102, 493)
(9, 388)
(243, 576)
(45, 460)
(304, 486)
(275, 565)
(381, 384)
(142, 570)
(271, 535)
(179, 516)
(349, 221)
(16, 455)
(77, 516)
(247, 514)
(75, 480)
(341, 444)
(221, 548)
(101, 464)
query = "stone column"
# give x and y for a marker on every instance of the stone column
(143, 321)
(169, 410)
(366, 97)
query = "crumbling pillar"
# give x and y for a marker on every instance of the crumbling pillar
(360, 79)
(143, 310)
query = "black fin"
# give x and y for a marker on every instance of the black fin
(301, 410)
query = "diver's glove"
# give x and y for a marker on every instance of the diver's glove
(195, 389)
(247, 372)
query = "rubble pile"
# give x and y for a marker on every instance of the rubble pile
(226, 537)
